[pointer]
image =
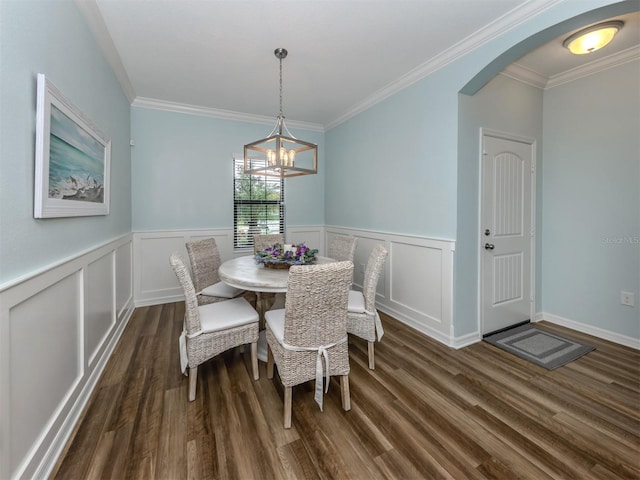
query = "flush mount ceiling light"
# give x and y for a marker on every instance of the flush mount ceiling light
(592, 38)
(280, 154)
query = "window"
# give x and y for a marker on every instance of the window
(258, 204)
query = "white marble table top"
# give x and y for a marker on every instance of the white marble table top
(245, 273)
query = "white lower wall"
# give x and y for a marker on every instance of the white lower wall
(415, 286)
(58, 327)
(154, 280)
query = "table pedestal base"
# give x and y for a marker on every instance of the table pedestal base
(262, 346)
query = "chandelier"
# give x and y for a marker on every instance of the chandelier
(280, 154)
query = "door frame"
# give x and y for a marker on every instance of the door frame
(533, 144)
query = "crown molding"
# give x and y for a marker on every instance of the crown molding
(174, 107)
(525, 75)
(612, 61)
(507, 22)
(91, 13)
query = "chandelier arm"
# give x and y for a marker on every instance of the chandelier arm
(284, 126)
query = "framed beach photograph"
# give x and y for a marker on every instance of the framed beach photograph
(72, 164)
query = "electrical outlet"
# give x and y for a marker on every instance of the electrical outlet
(627, 298)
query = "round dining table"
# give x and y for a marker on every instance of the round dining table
(247, 274)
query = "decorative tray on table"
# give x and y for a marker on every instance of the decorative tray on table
(283, 256)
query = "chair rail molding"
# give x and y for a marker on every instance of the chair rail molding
(75, 312)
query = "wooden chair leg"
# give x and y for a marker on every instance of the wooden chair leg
(344, 392)
(254, 360)
(193, 378)
(269, 362)
(372, 361)
(287, 406)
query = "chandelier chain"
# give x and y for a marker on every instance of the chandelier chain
(281, 86)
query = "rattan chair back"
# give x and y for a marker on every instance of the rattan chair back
(204, 258)
(316, 304)
(192, 315)
(372, 275)
(342, 247)
(260, 242)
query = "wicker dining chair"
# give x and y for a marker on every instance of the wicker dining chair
(260, 242)
(362, 318)
(204, 258)
(213, 328)
(342, 247)
(311, 331)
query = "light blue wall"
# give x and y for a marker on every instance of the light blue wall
(53, 38)
(591, 197)
(183, 172)
(395, 166)
(392, 169)
(507, 106)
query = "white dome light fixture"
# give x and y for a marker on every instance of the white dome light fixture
(592, 38)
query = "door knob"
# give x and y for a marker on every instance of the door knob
(489, 246)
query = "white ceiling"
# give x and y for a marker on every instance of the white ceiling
(343, 54)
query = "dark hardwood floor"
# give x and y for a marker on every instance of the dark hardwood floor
(426, 412)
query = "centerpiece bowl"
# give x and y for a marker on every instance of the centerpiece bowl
(283, 256)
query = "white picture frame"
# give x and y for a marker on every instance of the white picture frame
(72, 159)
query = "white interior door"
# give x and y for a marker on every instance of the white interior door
(507, 233)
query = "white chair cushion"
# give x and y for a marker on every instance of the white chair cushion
(356, 302)
(221, 290)
(275, 320)
(226, 314)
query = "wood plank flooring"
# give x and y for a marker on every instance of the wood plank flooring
(426, 412)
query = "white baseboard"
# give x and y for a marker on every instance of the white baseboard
(589, 330)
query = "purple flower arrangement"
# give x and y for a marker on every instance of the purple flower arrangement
(287, 254)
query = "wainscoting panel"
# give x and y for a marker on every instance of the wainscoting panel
(409, 290)
(416, 285)
(46, 360)
(58, 327)
(99, 308)
(124, 279)
(154, 280)
(312, 237)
